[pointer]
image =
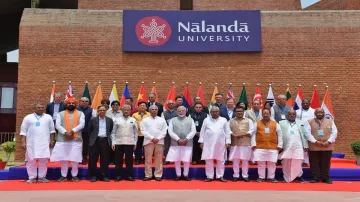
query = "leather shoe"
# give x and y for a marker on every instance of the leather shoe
(118, 179)
(166, 163)
(208, 180)
(93, 179)
(158, 179)
(137, 162)
(105, 179)
(177, 179)
(246, 180)
(186, 178)
(130, 179)
(327, 181)
(314, 181)
(235, 179)
(146, 179)
(221, 179)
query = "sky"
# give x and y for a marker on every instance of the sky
(13, 56)
(307, 3)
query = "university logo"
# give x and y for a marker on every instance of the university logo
(153, 31)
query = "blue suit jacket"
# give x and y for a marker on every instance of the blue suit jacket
(224, 113)
(50, 108)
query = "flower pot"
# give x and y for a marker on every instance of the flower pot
(358, 160)
(2, 165)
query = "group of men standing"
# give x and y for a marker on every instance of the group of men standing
(184, 135)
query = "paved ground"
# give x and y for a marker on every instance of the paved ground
(177, 196)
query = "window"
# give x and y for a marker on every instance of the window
(186, 4)
(8, 96)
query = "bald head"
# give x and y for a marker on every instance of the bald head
(291, 116)
(319, 113)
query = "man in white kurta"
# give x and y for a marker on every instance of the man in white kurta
(294, 145)
(241, 131)
(154, 130)
(305, 114)
(36, 130)
(181, 130)
(214, 140)
(68, 147)
(266, 143)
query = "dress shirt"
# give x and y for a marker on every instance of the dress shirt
(102, 127)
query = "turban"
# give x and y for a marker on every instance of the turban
(73, 100)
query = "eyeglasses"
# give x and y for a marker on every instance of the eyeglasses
(102, 110)
(115, 105)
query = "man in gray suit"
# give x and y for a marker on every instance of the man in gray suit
(254, 114)
(100, 128)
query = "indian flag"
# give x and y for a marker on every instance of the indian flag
(213, 100)
(327, 106)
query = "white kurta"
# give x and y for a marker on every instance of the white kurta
(68, 151)
(266, 154)
(294, 148)
(215, 134)
(153, 127)
(305, 115)
(180, 153)
(242, 152)
(37, 135)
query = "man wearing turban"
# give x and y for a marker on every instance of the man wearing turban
(68, 147)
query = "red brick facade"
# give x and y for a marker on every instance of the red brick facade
(298, 48)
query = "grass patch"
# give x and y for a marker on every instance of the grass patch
(11, 161)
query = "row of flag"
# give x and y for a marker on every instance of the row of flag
(187, 101)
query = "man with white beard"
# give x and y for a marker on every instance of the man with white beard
(182, 131)
(214, 140)
(294, 145)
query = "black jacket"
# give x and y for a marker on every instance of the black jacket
(93, 129)
(50, 108)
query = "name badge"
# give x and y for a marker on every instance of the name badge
(292, 132)
(196, 123)
(37, 124)
(283, 116)
(267, 130)
(320, 133)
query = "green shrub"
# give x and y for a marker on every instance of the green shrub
(355, 146)
(9, 148)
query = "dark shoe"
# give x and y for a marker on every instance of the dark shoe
(177, 179)
(130, 179)
(146, 179)
(259, 180)
(328, 181)
(235, 179)
(273, 180)
(75, 179)
(137, 162)
(208, 180)
(158, 179)
(118, 179)
(314, 181)
(186, 178)
(166, 163)
(93, 179)
(300, 179)
(304, 165)
(194, 162)
(62, 179)
(84, 162)
(105, 179)
(226, 163)
(246, 180)
(221, 179)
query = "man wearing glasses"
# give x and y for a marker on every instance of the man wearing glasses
(88, 112)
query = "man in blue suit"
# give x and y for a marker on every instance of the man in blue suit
(228, 111)
(54, 108)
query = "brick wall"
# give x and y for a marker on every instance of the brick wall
(298, 48)
(129, 4)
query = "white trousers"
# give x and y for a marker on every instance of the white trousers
(209, 168)
(32, 169)
(65, 168)
(292, 168)
(178, 168)
(271, 166)
(306, 157)
(244, 168)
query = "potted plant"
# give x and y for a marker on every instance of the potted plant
(355, 146)
(9, 148)
(2, 164)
